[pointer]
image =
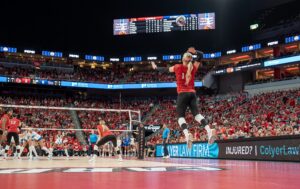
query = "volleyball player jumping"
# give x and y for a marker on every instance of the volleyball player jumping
(185, 75)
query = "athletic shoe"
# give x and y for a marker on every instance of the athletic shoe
(120, 159)
(93, 159)
(211, 133)
(49, 156)
(167, 157)
(18, 157)
(212, 139)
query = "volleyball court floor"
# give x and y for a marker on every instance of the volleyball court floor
(154, 173)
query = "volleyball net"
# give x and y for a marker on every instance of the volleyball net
(52, 118)
(77, 122)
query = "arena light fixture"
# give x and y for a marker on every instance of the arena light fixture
(152, 58)
(272, 43)
(29, 51)
(231, 51)
(114, 59)
(254, 26)
(73, 56)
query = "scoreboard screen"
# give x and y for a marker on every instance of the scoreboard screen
(187, 22)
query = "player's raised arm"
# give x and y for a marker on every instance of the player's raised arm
(162, 69)
(189, 73)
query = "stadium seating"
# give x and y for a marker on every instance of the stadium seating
(239, 116)
(234, 115)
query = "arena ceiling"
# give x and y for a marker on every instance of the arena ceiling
(86, 26)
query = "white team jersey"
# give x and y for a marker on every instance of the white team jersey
(35, 136)
(59, 140)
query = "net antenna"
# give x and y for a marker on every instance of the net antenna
(134, 115)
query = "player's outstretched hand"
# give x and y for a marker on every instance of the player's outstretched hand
(154, 66)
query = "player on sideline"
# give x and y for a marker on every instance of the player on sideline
(126, 144)
(13, 130)
(93, 138)
(105, 136)
(185, 75)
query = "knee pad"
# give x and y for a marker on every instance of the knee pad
(181, 121)
(199, 118)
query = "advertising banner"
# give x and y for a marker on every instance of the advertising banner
(271, 148)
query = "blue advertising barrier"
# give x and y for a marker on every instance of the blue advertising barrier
(198, 150)
(280, 148)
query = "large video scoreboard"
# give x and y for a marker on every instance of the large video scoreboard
(156, 24)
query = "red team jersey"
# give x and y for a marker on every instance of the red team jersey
(180, 72)
(13, 125)
(102, 132)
